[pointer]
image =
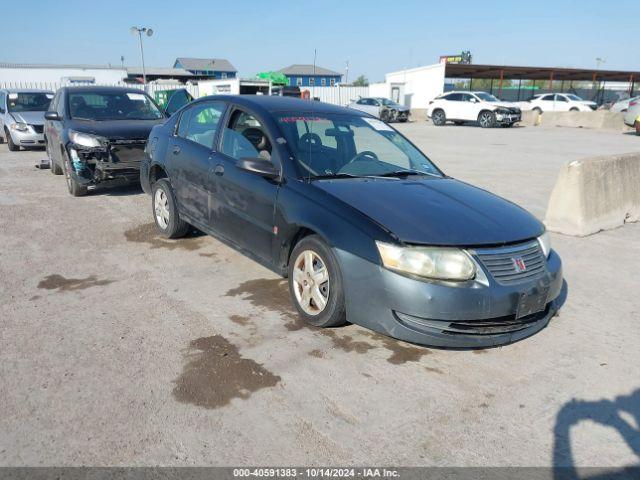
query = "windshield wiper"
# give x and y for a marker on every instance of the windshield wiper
(404, 173)
(335, 175)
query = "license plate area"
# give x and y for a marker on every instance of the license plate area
(532, 302)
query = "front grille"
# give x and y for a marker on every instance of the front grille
(38, 128)
(502, 262)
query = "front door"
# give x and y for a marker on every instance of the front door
(244, 202)
(191, 159)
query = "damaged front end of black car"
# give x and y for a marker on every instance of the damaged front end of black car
(94, 160)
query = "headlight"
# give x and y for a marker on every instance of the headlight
(83, 139)
(430, 262)
(20, 127)
(545, 243)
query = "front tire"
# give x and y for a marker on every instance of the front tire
(165, 211)
(574, 109)
(487, 119)
(12, 146)
(438, 117)
(53, 166)
(315, 283)
(73, 186)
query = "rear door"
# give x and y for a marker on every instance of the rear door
(244, 202)
(190, 158)
(453, 107)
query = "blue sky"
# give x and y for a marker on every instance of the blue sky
(375, 36)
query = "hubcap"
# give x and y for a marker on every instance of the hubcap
(485, 119)
(161, 208)
(311, 282)
(439, 117)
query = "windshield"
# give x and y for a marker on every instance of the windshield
(486, 97)
(330, 145)
(112, 106)
(573, 97)
(388, 103)
(29, 101)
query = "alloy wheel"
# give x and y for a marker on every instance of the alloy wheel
(486, 120)
(311, 282)
(161, 208)
(438, 118)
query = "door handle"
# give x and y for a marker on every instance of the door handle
(176, 149)
(219, 170)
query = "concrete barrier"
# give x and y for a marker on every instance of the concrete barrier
(593, 194)
(600, 119)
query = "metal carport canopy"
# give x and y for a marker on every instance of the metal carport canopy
(538, 73)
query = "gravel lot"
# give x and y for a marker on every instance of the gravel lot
(120, 348)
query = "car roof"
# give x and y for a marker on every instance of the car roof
(275, 103)
(25, 90)
(101, 89)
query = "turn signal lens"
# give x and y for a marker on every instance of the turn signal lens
(440, 263)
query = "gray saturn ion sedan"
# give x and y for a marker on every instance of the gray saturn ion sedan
(366, 228)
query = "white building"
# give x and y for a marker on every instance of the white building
(27, 75)
(419, 85)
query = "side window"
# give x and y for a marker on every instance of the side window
(547, 98)
(466, 97)
(183, 125)
(2, 104)
(201, 123)
(245, 137)
(454, 97)
(362, 101)
(561, 98)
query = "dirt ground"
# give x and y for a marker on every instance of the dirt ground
(120, 348)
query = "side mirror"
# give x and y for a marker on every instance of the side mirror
(52, 115)
(472, 100)
(259, 166)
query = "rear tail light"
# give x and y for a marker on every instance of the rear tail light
(633, 104)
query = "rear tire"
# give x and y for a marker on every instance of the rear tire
(486, 119)
(12, 146)
(53, 166)
(438, 117)
(314, 272)
(637, 127)
(574, 109)
(538, 110)
(165, 211)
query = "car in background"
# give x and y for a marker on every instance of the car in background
(382, 108)
(560, 102)
(22, 117)
(632, 116)
(364, 226)
(623, 105)
(96, 135)
(482, 107)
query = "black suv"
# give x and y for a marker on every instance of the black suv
(97, 134)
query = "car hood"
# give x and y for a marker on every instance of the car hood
(32, 118)
(116, 129)
(505, 104)
(434, 211)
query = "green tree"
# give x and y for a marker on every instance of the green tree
(361, 81)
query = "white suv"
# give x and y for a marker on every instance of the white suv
(560, 102)
(481, 107)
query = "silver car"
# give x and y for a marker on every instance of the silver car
(22, 117)
(383, 108)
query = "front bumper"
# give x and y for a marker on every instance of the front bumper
(29, 138)
(465, 315)
(508, 118)
(114, 163)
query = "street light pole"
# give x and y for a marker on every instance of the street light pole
(140, 31)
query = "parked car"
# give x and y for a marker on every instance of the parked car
(96, 135)
(632, 116)
(22, 117)
(560, 102)
(481, 107)
(623, 105)
(366, 228)
(382, 108)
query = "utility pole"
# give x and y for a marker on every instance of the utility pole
(346, 73)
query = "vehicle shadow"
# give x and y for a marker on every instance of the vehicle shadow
(119, 190)
(621, 413)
